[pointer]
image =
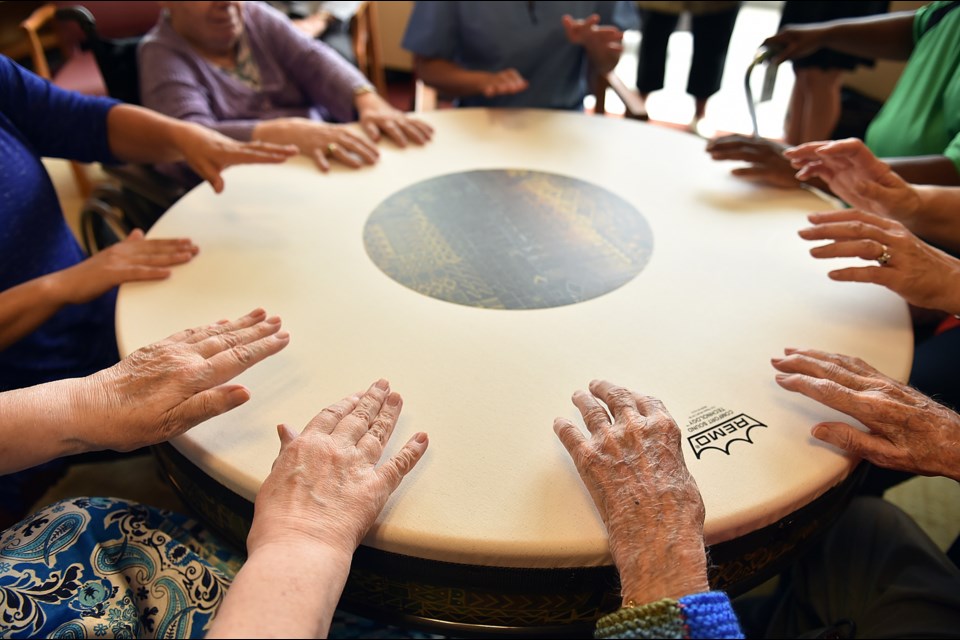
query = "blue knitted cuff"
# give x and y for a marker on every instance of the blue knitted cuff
(710, 615)
(702, 615)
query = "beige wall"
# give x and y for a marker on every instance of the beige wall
(393, 20)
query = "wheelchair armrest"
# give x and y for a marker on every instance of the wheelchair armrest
(146, 181)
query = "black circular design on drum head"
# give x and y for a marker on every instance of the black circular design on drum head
(508, 239)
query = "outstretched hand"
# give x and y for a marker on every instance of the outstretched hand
(633, 466)
(923, 275)
(166, 388)
(326, 487)
(378, 118)
(856, 176)
(906, 430)
(603, 43)
(767, 165)
(209, 152)
(132, 259)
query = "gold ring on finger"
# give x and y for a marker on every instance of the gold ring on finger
(331, 148)
(885, 256)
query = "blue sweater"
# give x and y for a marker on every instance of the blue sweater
(38, 119)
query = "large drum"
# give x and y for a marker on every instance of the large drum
(488, 275)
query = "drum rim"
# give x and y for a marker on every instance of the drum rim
(735, 566)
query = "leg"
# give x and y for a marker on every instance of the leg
(711, 39)
(875, 573)
(934, 369)
(655, 31)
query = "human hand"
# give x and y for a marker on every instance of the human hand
(603, 44)
(923, 275)
(795, 42)
(649, 502)
(132, 259)
(164, 389)
(325, 488)
(500, 83)
(857, 176)
(208, 152)
(378, 117)
(906, 430)
(767, 164)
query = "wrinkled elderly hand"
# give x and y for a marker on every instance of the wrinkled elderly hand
(325, 486)
(923, 275)
(633, 467)
(603, 44)
(132, 259)
(907, 431)
(164, 389)
(378, 117)
(323, 142)
(208, 152)
(856, 176)
(767, 164)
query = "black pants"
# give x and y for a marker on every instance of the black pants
(875, 574)
(711, 38)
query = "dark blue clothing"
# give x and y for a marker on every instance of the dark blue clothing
(38, 119)
(526, 36)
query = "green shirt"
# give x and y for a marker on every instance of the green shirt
(922, 115)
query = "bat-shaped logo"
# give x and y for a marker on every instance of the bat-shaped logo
(720, 436)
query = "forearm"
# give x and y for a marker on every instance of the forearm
(887, 37)
(935, 219)
(25, 307)
(40, 423)
(448, 78)
(282, 131)
(143, 136)
(681, 570)
(603, 60)
(303, 581)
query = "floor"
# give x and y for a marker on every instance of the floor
(933, 502)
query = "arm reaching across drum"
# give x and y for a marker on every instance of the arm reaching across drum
(141, 135)
(906, 430)
(324, 492)
(923, 275)
(633, 467)
(154, 394)
(864, 181)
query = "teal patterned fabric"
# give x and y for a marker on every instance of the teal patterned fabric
(100, 567)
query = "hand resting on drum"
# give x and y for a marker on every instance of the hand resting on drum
(633, 466)
(152, 395)
(923, 275)
(906, 430)
(765, 157)
(865, 182)
(324, 492)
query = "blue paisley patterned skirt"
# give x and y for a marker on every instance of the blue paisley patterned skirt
(100, 567)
